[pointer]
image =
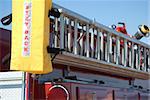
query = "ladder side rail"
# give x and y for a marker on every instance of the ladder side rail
(125, 53)
(139, 56)
(98, 44)
(101, 46)
(65, 32)
(136, 56)
(114, 48)
(114, 58)
(144, 69)
(122, 52)
(52, 34)
(147, 57)
(62, 31)
(75, 37)
(117, 50)
(132, 55)
(105, 45)
(84, 40)
(87, 41)
(56, 33)
(92, 42)
(108, 47)
(81, 40)
(69, 35)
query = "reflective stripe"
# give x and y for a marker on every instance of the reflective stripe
(62, 87)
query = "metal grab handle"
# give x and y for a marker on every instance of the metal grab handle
(7, 19)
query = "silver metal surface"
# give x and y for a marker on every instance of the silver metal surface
(144, 59)
(125, 53)
(102, 46)
(139, 56)
(62, 31)
(92, 43)
(87, 40)
(56, 32)
(69, 36)
(75, 38)
(81, 41)
(108, 47)
(117, 50)
(98, 45)
(78, 35)
(132, 55)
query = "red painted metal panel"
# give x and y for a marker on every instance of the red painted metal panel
(5, 42)
(50, 91)
(79, 91)
(72, 91)
(126, 95)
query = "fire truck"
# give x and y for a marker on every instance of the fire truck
(90, 61)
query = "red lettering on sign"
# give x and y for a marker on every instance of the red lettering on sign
(26, 38)
(26, 43)
(27, 29)
(26, 49)
(26, 23)
(27, 7)
(27, 11)
(26, 32)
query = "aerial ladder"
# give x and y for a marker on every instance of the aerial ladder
(64, 54)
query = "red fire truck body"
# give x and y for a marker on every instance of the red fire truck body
(78, 75)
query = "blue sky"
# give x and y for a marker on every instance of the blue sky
(107, 12)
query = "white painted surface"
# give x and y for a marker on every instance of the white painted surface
(11, 85)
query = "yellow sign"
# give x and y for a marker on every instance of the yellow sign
(30, 36)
